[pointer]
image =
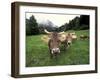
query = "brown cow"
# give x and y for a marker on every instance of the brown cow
(67, 41)
(74, 36)
(53, 43)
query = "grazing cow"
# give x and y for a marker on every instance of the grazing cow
(83, 37)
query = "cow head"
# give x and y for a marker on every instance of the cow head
(74, 36)
(69, 39)
(54, 41)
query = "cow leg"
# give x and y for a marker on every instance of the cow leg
(51, 55)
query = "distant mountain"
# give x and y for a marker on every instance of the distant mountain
(47, 25)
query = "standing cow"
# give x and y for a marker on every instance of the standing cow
(67, 41)
(53, 43)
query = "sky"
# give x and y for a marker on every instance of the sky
(56, 19)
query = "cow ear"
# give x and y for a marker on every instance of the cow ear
(45, 38)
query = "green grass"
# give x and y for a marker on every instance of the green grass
(37, 52)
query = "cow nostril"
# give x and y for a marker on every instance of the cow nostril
(68, 43)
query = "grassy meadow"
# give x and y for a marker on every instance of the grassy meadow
(37, 52)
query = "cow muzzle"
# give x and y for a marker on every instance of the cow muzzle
(55, 50)
(69, 43)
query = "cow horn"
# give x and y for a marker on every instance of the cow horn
(61, 32)
(46, 31)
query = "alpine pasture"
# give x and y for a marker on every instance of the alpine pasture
(37, 52)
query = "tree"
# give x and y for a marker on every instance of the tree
(84, 22)
(28, 29)
(78, 23)
(62, 28)
(31, 26)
